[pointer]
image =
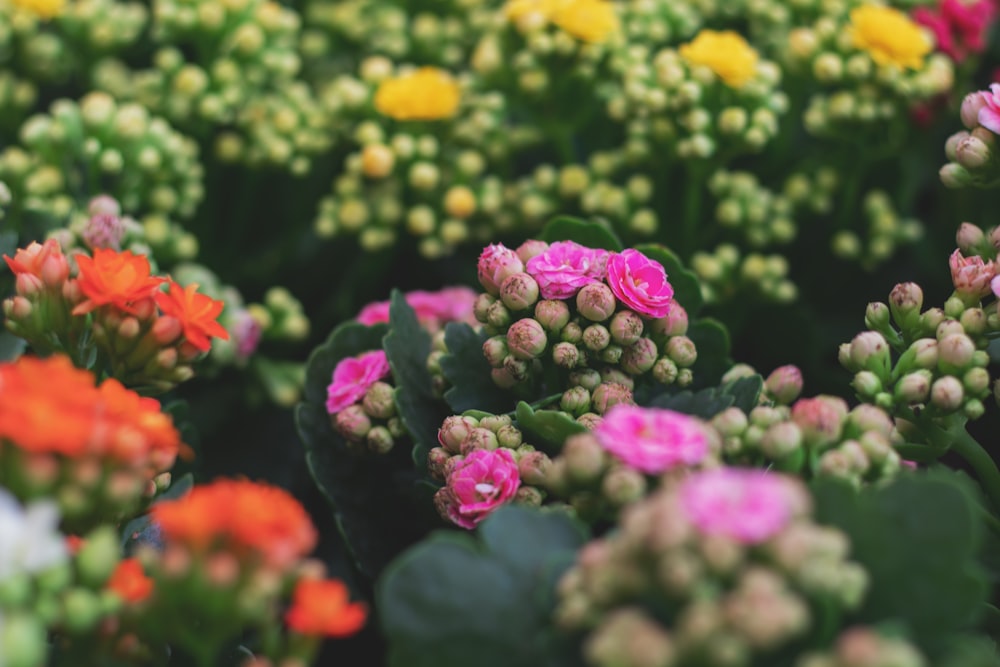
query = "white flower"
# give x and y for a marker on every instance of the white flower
(30, 540)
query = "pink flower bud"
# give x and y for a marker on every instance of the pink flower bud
(972, 104)
(352, 423)
(42, 261)
(609, 394)
(870, 351)
(18, 308)
(865, 417)
(674, 323)
(533, 467)
(820, 418)
(575, 400)
(103, 230)
(503, 378)
(129, 328)
(955, 352)
(495, 350)
(682, 351)
(565, 355)
(968, 238)
(552, 315)
(780, 440)
(526, 339)
(587, 378)
(483, 481)
(166, 329)
(519, 291)
(626, 327)
(104, 205)
(496, 263)
(947, 393)
(974, 152)
(246, 332)
(651, 440)
(454, 430)
(905, 302)
(784, 384)
(596, 337)
(951, 145)
(28, 285)
(639, 357)
(436, 459)
(596, 302)
(914, 387)
(531, 248)
(167, 358)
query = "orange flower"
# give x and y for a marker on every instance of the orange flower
(114, 278)
(321, 607)
(196, 312)
(251, 519)
(129, 582)
(45, 261)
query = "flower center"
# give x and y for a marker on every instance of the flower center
(485, 489)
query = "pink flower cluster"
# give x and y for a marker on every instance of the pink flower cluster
(652, 440)
(960, 27)
(971, 276)
(352, 377)
(433, 309)
(987, 103)
(481, 482)
(748, 506)
(563, 268)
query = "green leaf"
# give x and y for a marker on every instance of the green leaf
(468, 372)
(452, 597)
(586, 233)
(141, 529)
(11, 346)
(712, 340)
(369, 495)
(918, 539)
(407, 346)
(548, 429)
(745, 391)
(687, 287)
(704, 404)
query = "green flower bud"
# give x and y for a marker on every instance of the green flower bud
(587, 378)
(639, 357)
(23, 641)
(877, 316)
(682, 351)
(784, 384)
(625, 328)
(508, 436)
(973, 320)
(665, 370)
(519, 291)
(498, 316)
(947, 393)
(596, 302)
(479, 438)
(612, 354)
(976, 382)
(81, 610)
(914, 387)
(454, 430)
(98, 556)
(596, 337)
(495, 422)
(552, 315)
(495, 350)
(870, 351)
(866, 384)
(623, 485)
(565, 355)
(572, 333)
(379, 401)
(353, 423)
(481, 306)
(517, 368)
(585, 459)
(973, 409)
(575, 400)
(955, 352)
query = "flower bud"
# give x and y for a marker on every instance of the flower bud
(533, 468)
(612, 374)
(596, 337)
(587, 378)
(103, 231)
(784, 384)
(508, 436)
(531, 248)
(517, 368)
(973, 321)
(639, 357)
(528, 495)
(870, 351)
(674, 323)
(437, 457)
(877, 315)
(625, 328)
(665, 370)
(565, 355)
(23, 641)
(931, 318)
(623, 485)
(974, 152)
(495, 422)
(353, 423)
(954, 176)
(82, 610)
(552, 315)
(481, 307)
(947, 393)
(526, 339)
(914, 387)
(479, 438)
(780, 440)
(866, 384)
(572, 333)
(379, 400)
(575, 400)
(682, 351)
(820, 419)
(627, 636)
(951, 146)
(865, 417)
(976, 381)
(610, 394)
(596, 302)
(379, 440)
(585, 460)
(98, 556)
(497, 315)
(968, 238)
(612, 354)
(972, 104)
(495, 350)
(955, 352)
(454, 430)
(519, 291)
(730, 422)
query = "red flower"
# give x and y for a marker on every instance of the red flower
(321, 607)
(129, 582)
(196, 312)
(120, 279)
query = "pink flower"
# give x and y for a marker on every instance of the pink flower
(565, 267)
(483, 481)
(352, 377)
(745, 505)
(376, 312)
(960, 27)
(640, 283)
(971, 275)
(433, 309)
(246, 331)
(496, 262)
(989, 114)
(652, 440)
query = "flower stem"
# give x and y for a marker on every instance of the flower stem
(982, 463)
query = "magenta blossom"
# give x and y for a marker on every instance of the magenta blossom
(246, 332)
(971, 276)
(652, 440)
(496, 262)
(989, 113)
(749, 506)
(352, 378)
(960, 27)
(640, 283)
(565, 267)
(483, 481)
(433, 309)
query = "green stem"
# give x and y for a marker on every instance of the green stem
(982, 463)
(693, 192)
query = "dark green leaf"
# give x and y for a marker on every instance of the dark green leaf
(141, 529)
(467, 371)
(687, 287)
(705, 404)
(452, 597)
(8, 242)
(918, 538)
(11, 346)
(586, 233)
(745, 391)
(407, 346)
(712, 341)
(547, 429)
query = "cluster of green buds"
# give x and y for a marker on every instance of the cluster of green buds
(744, 204)
(678, 584)
(676, 101)
(929, 363)
(886, 230)
(584, 342)
(864, 91)
(812, 192)
(115, 148)
(646, 22)
(725, 275)
(972, 153)
(372, 423)
(862, 646)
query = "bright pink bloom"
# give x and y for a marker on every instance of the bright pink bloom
(496, 262)
(640, 283)
(960, 27)
(565, 267)
(433, 309)
(352, 377)
(971, 275)
(989, 114)
(483, 481)
(652, 440)
(745, 505)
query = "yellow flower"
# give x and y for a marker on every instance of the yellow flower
(726, 53)
(428, 93)
(889, 36)
(45, 9)
(587, 20)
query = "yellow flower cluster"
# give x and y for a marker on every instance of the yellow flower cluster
(45, 9)
(726, 53)
(428, 93)
(889, 36)
(591, 21)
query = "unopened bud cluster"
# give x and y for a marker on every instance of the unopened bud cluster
(673, 586)
(972, 153)
(373, 422)
(726, 274)
(886, 230)
(862, 646)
